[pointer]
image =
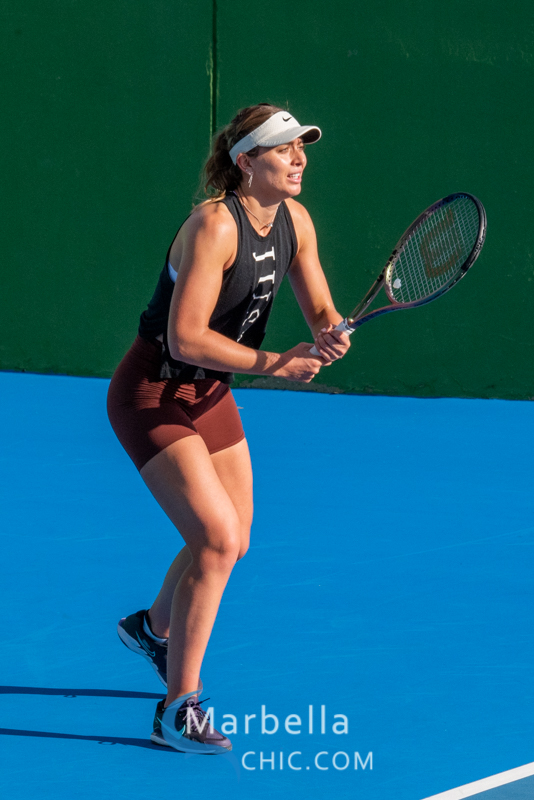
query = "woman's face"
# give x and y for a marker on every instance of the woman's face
(279, 169)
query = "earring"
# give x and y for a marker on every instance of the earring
(250, 179)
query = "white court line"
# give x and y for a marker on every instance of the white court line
(486, 783)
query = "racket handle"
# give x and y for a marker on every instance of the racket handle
(343, 326)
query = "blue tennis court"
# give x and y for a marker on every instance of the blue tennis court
(379, 632)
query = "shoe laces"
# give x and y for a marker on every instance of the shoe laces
(197, 715)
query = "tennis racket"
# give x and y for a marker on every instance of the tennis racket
(429, 259)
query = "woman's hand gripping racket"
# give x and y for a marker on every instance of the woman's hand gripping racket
(428, 260)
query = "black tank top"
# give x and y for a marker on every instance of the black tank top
(248, 289)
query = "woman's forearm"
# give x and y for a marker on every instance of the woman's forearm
(212, 350)
(329, 316)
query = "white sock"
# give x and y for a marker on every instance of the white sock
(146, 628)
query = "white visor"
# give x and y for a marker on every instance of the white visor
(278, 129)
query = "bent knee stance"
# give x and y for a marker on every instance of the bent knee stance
(219, 554)
(243, 549)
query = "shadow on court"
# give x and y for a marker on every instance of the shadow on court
(105, 740)
(145, 743)
(79, 692)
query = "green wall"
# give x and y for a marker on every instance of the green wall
(111, 107)
(109, 111)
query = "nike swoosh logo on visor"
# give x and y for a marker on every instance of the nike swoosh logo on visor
(286, 119)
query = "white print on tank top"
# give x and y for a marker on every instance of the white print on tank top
(262, 293)
(270, 254)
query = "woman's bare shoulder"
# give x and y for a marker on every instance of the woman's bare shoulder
(209, 230)
(301, 218)
(299, 214)
(213, 218)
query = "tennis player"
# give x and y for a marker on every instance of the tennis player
(170, 403)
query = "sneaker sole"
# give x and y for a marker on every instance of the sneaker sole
(129, 642)
(158, 740)
(184, 745)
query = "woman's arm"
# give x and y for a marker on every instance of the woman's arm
(309, 284)
(207, 245)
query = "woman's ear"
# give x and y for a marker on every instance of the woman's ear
(243, 162)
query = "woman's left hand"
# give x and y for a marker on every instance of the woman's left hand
(332, 344)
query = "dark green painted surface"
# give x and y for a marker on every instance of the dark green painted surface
(416, 100)
(109, 108)
(108, 105)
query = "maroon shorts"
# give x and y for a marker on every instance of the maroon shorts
(148, 413)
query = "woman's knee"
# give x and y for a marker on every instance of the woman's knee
(220, 552)
(244, 544)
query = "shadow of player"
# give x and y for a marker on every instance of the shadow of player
(146, 743)
(104, 740)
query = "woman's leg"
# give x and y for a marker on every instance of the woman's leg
(235, 473)
(159, 614)
(233, 467)
(189, 484)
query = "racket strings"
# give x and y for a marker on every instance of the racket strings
(432, 254)
(436, 251)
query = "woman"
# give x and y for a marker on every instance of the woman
(170, 404)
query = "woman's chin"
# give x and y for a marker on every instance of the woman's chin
(294, 189)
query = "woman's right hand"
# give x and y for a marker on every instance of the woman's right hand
(298, 365)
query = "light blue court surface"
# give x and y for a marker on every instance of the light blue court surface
(390, 581)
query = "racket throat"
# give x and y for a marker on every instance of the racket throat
(365, 303)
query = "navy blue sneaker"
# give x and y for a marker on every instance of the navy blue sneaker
(157, 736)
(132, 633)
(186, 727)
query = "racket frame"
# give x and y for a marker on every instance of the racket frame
(358, 317)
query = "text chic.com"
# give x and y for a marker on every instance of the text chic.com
(296, 761)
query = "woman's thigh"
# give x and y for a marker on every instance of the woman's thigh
(234, 470)
(185, 482)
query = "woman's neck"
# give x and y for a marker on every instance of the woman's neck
(261, 214)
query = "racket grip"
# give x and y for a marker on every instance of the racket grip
(343, 326)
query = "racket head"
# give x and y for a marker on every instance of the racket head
(436, 251)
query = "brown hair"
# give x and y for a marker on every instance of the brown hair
(221, 174)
